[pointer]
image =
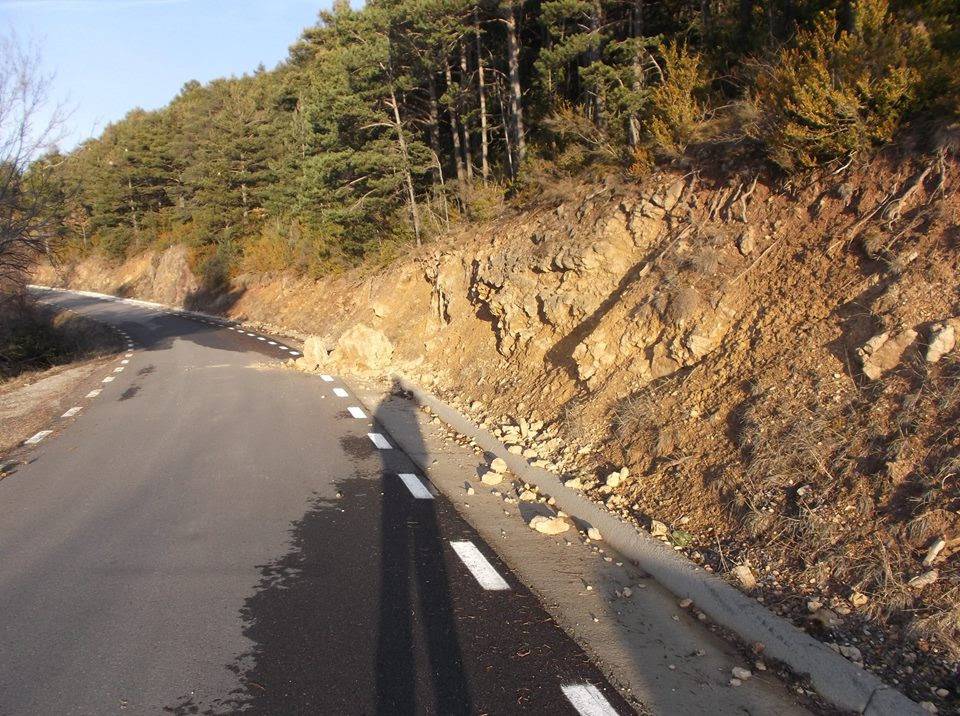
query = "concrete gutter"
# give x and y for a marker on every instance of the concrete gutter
(840, 682)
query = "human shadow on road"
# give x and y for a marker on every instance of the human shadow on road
(356, 617)
(413, 574)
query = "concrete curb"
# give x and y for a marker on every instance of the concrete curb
(840, 682)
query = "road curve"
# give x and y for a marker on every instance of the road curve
(213, 533)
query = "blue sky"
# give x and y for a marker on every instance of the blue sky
(109, 56)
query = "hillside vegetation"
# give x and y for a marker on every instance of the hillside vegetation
(388, 124)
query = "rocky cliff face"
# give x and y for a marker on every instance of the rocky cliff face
(757, 355)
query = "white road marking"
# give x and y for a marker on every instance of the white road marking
(261, 338)
(416, 487)
(124, 361)
(118, 369)
(587, 700)
(93, 393)
(283, 348)
(272, 343)
(326, 378)
(251, 334)
(340, 392)
(357, 412)
(73, 411)
(37, 438)
(380, 441)
(129, 355)
(294, 353)
(478, 565)
(108, 379)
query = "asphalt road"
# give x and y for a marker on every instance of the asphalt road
(214, 533)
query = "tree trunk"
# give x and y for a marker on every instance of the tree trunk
(482, 94)
(636, 31)
(133, 207)
(746, 23)
(455, 135)
(408, 178)
(505, 123)
(465, 124)
(706, 16)
(516, 92)
(435, 126)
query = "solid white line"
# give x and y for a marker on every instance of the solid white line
(93, 393)
(326, 378)
(587, 700)
(37, 438)
(357, 412)
(417, 488)
(478, 565)
(108, 379)
(73, 411)
(380, 441)
(340, 392)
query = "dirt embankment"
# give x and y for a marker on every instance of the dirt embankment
(758, 355)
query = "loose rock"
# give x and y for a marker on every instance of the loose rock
(491, 478)
(549, 525)
(498, 465)
(743, 573)
(740, 673)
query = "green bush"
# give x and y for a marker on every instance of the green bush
(676, 106)
(833, 94)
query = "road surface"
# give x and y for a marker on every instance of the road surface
(215, 533)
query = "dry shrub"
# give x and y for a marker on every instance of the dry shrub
(833, 94)
(683, 304)
(676, 108)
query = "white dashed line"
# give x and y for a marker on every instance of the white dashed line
(129, 355)
(118, 369)
(340, 392)
(272, 343)
(416, 487)
(261, 338)
(251, 334)
(294, 353)
(124, 361)
(326, 378)
(587, 700)
(380, 441)
(93, 393)
(479, 567)
(108, 379)
(37, 438)
(73, 411)
(357, 412)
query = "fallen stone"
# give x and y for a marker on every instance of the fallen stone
(613, 479)
(515, 450)
(363, 348)
(684, 603)
(943, 339)
(528, 496)
(594, 534)
(925, 579)
(851, 652)
(491, 478)
(858, 599)
(574, 484)
(745, 576)
(498, 465)
(658, 529)
(747, 241)
(549, 525)
(883, 352)
(735, 682)
(740, 673)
